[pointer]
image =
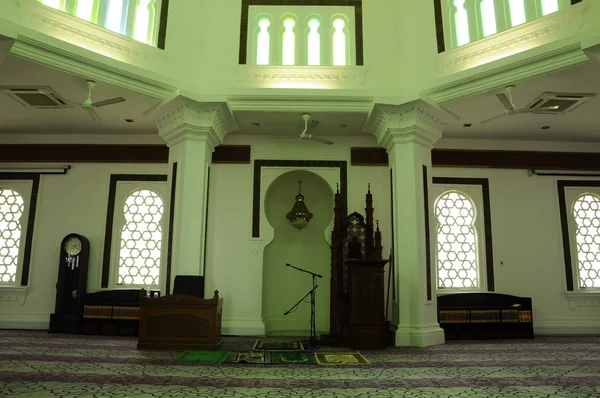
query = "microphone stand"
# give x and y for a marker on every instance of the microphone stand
(313, 321)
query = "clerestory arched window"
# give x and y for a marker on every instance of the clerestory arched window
(263, 42)
(461, 23)
(288, 53)
(517, 12)
(314, 42)
(488, 17)
(339, 43)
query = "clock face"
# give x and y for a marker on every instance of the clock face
(73, 246)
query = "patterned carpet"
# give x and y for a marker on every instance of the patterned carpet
(35, 364)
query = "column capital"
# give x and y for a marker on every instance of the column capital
(415, 121)
(186, 119)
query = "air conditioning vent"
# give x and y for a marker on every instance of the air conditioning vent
(39, 97)
(566, 102)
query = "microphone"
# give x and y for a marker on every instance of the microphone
(289, 265)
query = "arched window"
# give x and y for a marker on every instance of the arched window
(11, 211)
(314, 42)
(586, 211)
(488, 17)
(114, 16)
(58, 4)
(141, 239)
(517, 12)
(461, 22)
(549, 6)
(339, 43)
(457, 262)
(85, 9)
(289, 43)
(263, 42)
(145, 15)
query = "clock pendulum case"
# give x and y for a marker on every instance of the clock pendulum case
(71, 285)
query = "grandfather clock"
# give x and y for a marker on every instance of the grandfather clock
(71, 284)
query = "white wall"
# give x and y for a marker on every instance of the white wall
(234, 258)
(528, 248)
(75, 202)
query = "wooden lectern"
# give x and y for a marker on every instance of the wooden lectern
(180, 322)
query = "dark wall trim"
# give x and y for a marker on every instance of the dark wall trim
(162, 25)
(368, 156)
(259, 164)
(84, 153)
(516, 159)
(110, 212)
(439, 26)
(487, 219)
(427, 232)
(236, 154)
(564, 224)
(35, 187)
(171, 218)
(357, 4)
(573, 2)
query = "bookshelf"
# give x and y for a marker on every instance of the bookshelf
(470, 316)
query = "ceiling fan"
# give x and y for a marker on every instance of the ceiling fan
(90, 107)
(511, 109)
(309, 127)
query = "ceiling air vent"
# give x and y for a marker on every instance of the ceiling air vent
(39, 97)
(566, 102)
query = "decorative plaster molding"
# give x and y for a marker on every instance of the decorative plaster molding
(196, 121)
(583, 299)
(292, 104)
(58, 58)
(477, 81)
(17, 294)
(323, 77)
(87, 35)
(256, 245)
(415, 121)
(550, 28)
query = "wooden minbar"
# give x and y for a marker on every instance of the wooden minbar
(357, 303)
(180, 322)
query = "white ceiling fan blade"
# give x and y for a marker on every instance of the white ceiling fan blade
(542, 109)
(108, 102)
(492, 118)
(321, 140)
(505, 101)
(311, 126)
(93, 114)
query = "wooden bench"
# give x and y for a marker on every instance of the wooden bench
(111, 312)
(466, 316)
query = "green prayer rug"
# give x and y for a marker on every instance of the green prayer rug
(277, 345)
(340, 358)
(203, 356)
(247, 357)
(294, 357)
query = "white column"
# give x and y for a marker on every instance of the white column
(192, 130)
(408, 132)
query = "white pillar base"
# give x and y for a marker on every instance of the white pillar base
(419, 336)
